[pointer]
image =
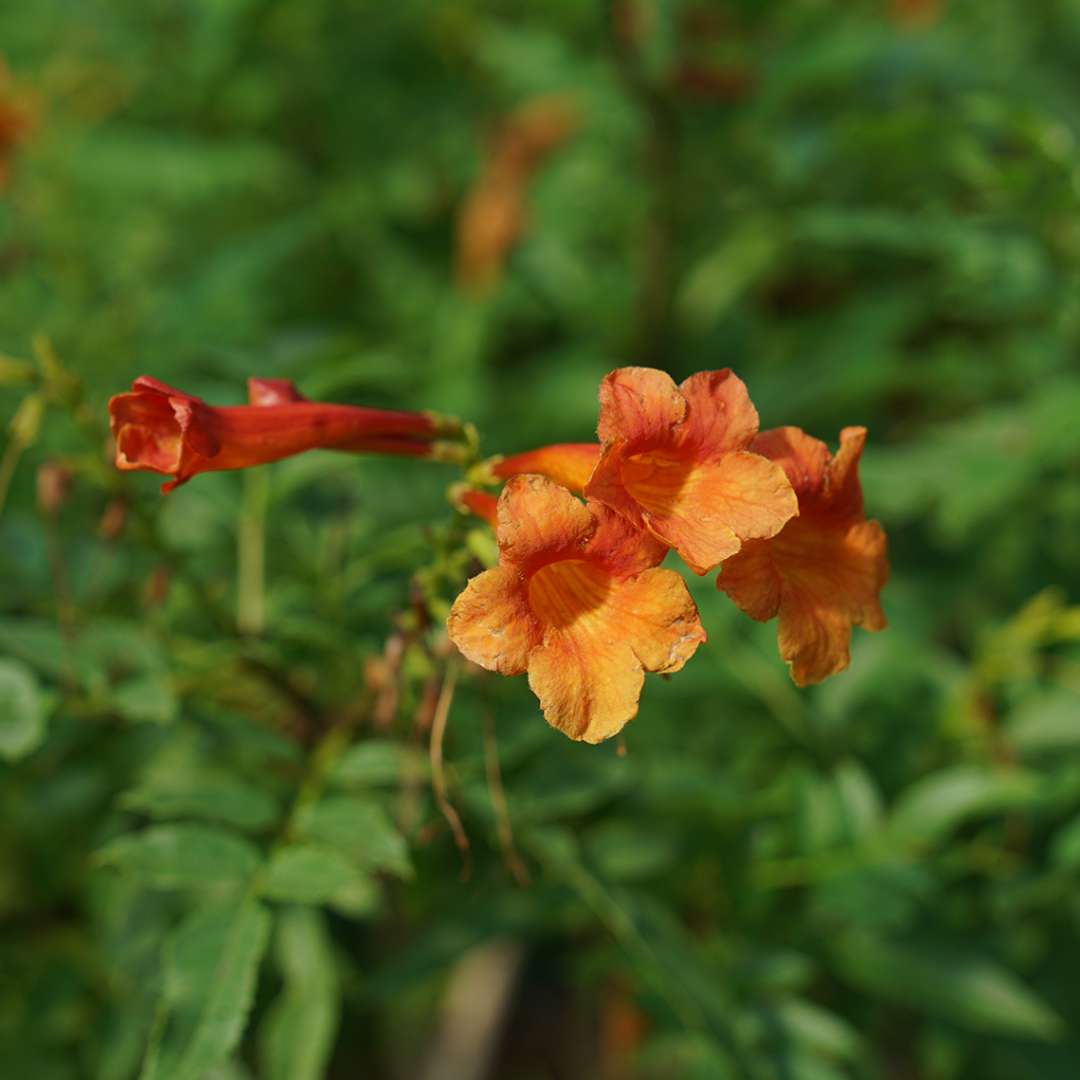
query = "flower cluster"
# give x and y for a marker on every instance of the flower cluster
(578, 599)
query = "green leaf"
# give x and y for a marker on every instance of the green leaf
(297, 1037)
(146, 699)
(211, 962)
(360, 829)
(379, 762)
(1047, 722)
(1065, 847)
(216, 798)
(182, 856)
(968, 990)
(819, 1030)
(22, 711)
(933, 806)
(306, 874)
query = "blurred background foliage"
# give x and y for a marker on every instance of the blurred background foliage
(222, 851)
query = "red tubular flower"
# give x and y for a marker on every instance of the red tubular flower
(481, 504)
(164, 430)
(676, 461)
(824, 571)
(578, 602)
(568, 464)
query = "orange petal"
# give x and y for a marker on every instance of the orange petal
(705, 511)
(844, 490)
(569, 464)
(539, 521)
(481, 504)
(830, 574)
(491, 623)
(816, 619)
(639, 405)
(803, 458)
(751, 580)
(658, 618)
(720, 416)
(600, 633)
(587, 688)
(622, 548)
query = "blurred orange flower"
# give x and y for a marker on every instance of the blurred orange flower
(824, 572)
(676, 461)
(16, 123)
(493, 216)
(164, 430)
(579, 602)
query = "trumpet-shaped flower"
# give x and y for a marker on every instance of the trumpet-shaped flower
(677, 461)
(569, 464)
(822, 574)
(579, 602)
(163, 430)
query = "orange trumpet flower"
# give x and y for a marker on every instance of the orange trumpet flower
(579, 602)
(824, 571)
(569, 464)
(163, 430)
(676, 461)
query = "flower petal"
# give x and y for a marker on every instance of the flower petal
(491, 623)
(720, 416)
(803, 458)
(656, 615)
(751, 580)
(588, 687)
(569, 464)
(623, 549)
(705, 511)
(639, 405)
(539, 522)
(844, 490)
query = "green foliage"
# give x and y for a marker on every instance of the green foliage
(222, 851)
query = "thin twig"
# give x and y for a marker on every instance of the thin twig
(438, 776)
(504, 830)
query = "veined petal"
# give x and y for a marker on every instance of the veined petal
(751, 580)
(588, 687)
(491, 623)
(720, 416)
(706, 510)
(656, 615)
(639, 405)
(803, 458)
(569, 464)
(623, 549)
(539, 522)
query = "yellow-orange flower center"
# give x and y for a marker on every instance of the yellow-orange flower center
(656, 479)
(563, 592)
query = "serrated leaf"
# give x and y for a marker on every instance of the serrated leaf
(211, 963)
(306, 874)
(360, 829)
(182, 856)
(968, 990)
(223, 798)
(22, 711)
(378, 762)
(297, 1037)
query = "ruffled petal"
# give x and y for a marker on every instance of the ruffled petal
(623, 549)
(803, 458)
(720, 416)
(751, 580)
(569, 464)
(705, 511)
(588, 685)
(491, 623)
(656, 615)
(843, 491)
(539, 521)
(639, 406)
